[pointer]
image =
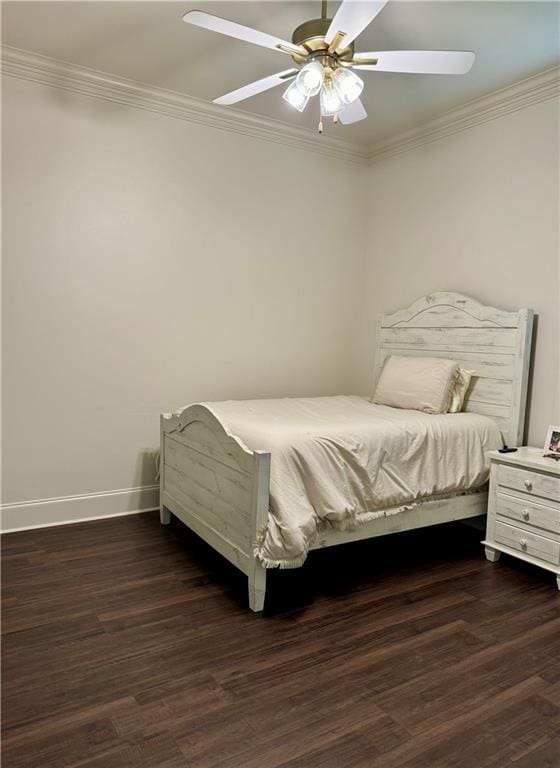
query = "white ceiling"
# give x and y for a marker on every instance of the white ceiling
(148, 42)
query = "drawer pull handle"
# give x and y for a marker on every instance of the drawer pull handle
(525, 514)
(523, 543)
(528, 485)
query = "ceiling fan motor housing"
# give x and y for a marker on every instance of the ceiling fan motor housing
(311, 35)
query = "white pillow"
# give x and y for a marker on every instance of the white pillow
(459, 390)
(417, 383)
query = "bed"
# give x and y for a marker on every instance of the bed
(215, 460)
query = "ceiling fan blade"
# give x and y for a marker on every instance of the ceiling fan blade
(246, 91)
(419, 62)
(352, 113)
(352, 18)
(232, 29)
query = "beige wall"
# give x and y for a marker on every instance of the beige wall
(148, 263)
(478, 213)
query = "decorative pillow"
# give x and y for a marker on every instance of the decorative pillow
(417, 383)
(459, 390)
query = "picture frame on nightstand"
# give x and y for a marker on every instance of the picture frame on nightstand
(552, 443)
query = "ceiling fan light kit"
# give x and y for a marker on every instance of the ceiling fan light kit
(324, 57)
(310, 79)
(295, 97)
(330, 101)
(337, 87)
(348, 85)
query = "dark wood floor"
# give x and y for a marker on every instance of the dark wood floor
(129, 644)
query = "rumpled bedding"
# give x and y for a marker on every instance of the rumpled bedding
(343, 461)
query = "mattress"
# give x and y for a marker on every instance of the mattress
(343, 461)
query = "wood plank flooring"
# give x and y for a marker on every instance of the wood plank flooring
(129, 644)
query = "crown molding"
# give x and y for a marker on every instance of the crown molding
(524, 93)
(36, 68)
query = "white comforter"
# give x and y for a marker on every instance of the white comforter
(343, 461)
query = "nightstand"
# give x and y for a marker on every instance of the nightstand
(524, 508)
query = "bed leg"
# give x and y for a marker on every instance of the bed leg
(257, 587)
(164, 515)
(492, 554)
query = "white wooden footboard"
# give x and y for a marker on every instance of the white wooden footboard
(217, 487)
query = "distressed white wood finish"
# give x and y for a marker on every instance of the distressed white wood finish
(515, 510)
(164, 513)
(218, 487)
(494, 343)
(259, 505)
(529, 481)
(431, 512)
(493, 555)
(522, 540)
(524, 509)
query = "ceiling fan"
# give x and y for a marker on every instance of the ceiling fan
(324, 57)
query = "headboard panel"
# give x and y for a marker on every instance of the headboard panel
(494, 343)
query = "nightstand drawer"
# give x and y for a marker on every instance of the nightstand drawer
(527, 543)
(528, 512)
(534, 483)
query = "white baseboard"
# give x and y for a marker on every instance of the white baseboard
(41, 513)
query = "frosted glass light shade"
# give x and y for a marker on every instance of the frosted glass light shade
(331, 103)
(310, 78)
(348, 85)
(295, 97)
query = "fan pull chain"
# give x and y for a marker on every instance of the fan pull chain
(320, 128)
(335, 120)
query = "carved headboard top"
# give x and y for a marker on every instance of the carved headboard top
(494, 343)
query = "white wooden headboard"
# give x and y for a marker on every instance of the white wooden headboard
(493, 343)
